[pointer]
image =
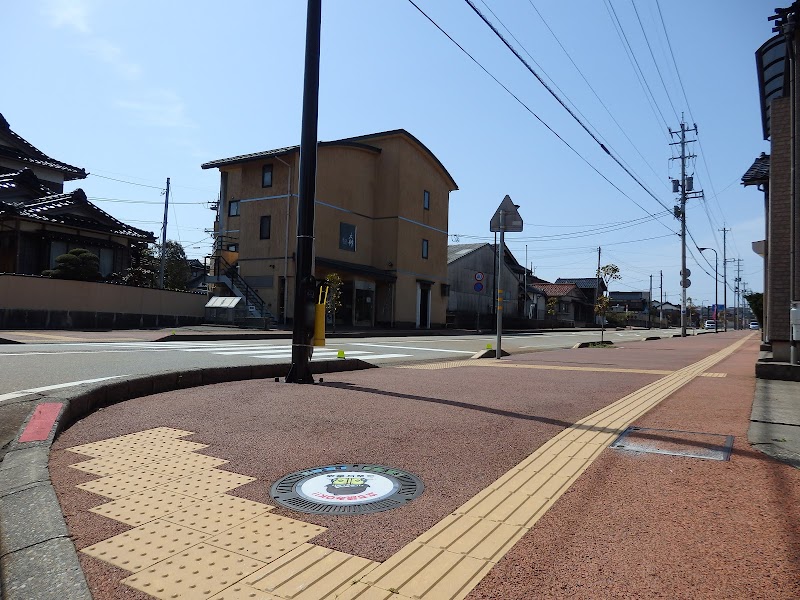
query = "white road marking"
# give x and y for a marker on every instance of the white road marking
(413, 348)
(58, 386)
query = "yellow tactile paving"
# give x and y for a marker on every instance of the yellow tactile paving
(145, 545)
(179, 465)
(217, 513)
(205, 484)
(241, 591)
(145, 506)
(420, 571)
(126, 483)
(310, 573)
(266, 537)
(261, 556)
(199, 572)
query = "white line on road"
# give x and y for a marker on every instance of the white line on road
(413, 348)
(58, 386)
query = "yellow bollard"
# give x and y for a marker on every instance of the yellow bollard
(340, 354)
(488, 346)
(319, 325)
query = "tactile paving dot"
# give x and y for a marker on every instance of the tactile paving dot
(199, 572)
(149, 505)
(126, 483)
(266, 537)
(218, 513)
(146, 545)
(241, 591)
(204, 484)
(150, 446)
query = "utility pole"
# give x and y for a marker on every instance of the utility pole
(661, 308)
(650, 305)
(685, 185)
(725, 275)
(737, 292)
(163, 239)
(305, 284)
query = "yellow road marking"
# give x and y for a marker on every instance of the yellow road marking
(444, 563)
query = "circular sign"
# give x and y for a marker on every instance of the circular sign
(478, 276)
(478, 287)
(346, 489)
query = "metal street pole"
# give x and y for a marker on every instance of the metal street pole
(716, 287)
(305, 285)
(498, 353)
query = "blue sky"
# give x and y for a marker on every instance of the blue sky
(141, 91)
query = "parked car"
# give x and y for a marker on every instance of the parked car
(710, 324)
(754, 325)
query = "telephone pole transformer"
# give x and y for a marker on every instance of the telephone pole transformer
(684, 186)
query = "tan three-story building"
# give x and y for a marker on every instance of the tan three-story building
(381, 224)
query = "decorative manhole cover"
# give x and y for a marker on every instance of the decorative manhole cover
(692, 444)
(348, 489)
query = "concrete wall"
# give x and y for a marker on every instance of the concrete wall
(28, 302)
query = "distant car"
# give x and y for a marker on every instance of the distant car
(754, 325)
(711, 324)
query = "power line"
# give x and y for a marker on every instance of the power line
(596, 95)
(119, 200)
(653, 56)
(572, 114)
(634, 63)
(155, 187)
(553, 131)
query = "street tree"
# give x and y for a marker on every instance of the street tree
(334, 301)
(607, 274)
(78, 264)
(147, 264)
(552, 309)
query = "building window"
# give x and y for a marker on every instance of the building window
(233, 247)
(445, 289)
(426, 200)
(266, 176)
(264, 227)
(233, 208)
(347, 237)
(425, 249)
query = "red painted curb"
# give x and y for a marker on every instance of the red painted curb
(42, 421)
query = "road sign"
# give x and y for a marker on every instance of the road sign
(685, 283)
(512, 222)
(478, 276)
(478, 287)
(686, 274)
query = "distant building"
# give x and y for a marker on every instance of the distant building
(588, 286)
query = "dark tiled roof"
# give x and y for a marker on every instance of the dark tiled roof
(13, 146)
(58, 209)
(22, 183)
(456, 251)
(557, 289)
(585, 283)
(758, 172)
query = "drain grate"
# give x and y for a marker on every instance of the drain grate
(346, 489)
(674, 442)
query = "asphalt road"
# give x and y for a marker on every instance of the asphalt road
(26, 368)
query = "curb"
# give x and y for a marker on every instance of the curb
(33, 543)
(589, 344)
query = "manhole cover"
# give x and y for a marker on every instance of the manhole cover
(692, 444)
(348, 489)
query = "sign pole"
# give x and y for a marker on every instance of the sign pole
(497, 353)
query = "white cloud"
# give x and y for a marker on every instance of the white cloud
(111, 54)
(159, 108)
(69, 13)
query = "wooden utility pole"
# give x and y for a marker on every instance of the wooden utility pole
(163, 239)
